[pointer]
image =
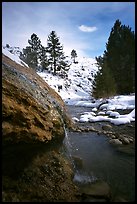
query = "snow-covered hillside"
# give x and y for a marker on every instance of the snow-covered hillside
(78, 84)
(13, 53)
(13, 50)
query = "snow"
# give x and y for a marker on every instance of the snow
(78, 85)
(14, 56)
(76, 90)
(107, 112)
(113, 114)
(121, 102)
(118, 120)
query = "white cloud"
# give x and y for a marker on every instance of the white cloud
(87, 28)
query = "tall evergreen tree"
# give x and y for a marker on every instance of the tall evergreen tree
(73, 55)
(104, 83)
(119, 59)
(56, 58)
(31, 53)
(43, 58)
(26, 55)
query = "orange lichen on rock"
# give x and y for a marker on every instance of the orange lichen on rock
(32, 111)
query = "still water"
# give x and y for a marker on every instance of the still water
(101, 160)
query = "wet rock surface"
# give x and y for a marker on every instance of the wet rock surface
(34, 116)
(37, 173)
(31, 110)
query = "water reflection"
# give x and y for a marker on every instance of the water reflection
(100, 160)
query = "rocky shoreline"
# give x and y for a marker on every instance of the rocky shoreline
(117, 134)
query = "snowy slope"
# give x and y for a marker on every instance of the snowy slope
(78, 84)
(13, 53)
(13, 50)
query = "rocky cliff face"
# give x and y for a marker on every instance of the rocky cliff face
(32, 111)
(34, 115)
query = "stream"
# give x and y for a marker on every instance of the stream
(94, 158)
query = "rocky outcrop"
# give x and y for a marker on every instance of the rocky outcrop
(36, 173)
(32, 111)
(34, 115)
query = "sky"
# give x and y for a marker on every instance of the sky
(83, 26)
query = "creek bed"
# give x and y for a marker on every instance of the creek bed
(101, 160)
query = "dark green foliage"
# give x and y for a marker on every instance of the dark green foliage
(43, 58)
(121, 57)
(31, 53)
(104, 84)
(73, 55)
(28, 56)
(56, 58)
(50, 58)
(119, 60)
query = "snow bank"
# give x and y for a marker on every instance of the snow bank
(118, 120)
(14, 57)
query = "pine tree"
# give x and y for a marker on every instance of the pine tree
(26, 55)
(43, 58)
(119, 61)
(31, 53)
(120, 57)
(56, 58)
(73, 55)
(104, 83)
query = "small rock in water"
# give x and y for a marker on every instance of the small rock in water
(125, 141)
(115, 141)
(99, 189)
(75, 119)
(130, 140)
(113, 136)
(78, 162)
(106, 127)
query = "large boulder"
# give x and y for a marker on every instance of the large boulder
(34, 118)
(32, 111)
